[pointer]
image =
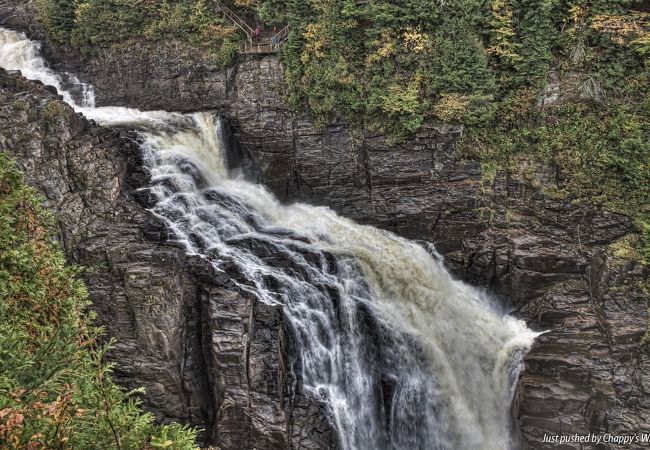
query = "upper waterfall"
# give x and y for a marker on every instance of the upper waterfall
(402, 355)
(19, 53)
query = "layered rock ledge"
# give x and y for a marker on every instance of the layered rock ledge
(206, 353)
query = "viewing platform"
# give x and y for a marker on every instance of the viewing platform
(264, 44)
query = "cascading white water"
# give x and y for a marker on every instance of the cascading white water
(19, 53)
(402, 355)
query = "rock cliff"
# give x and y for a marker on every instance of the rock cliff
(207, 354)
(548, 257)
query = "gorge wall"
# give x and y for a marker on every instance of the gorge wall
(549, 257)
(206, 353)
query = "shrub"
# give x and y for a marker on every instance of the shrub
(87, 24)
(55, 390)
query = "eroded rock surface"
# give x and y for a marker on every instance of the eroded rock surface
(549, 257)
(207, 353)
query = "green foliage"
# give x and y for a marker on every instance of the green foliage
(502, 33)
(644, 243)
(55, 392)
(536, 32)
(229, 51)
(54, 110)
(59, 16)
(391, 65)
(603, 155)
(107, 21)
(385, 65)
(272, 12)
(87, 24)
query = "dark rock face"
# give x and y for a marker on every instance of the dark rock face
(548, 257)
(172, 82)
(21, 14)
(207, 354)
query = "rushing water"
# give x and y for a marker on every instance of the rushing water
(402, 355)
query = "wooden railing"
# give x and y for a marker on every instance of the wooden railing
(238, 21)
(273, 44)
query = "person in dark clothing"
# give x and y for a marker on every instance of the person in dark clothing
(258, 32)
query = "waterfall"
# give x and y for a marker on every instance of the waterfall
(402, 355)
(19, 53)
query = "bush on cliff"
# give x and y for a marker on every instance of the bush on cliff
(59, 17)
(390, 66)
(89, 24)
(55, 391)
(364, 60)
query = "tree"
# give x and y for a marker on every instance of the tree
(502, 34)
(60, 15)
(55, 388)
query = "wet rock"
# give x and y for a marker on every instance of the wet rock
(206, 353)
(547, 257)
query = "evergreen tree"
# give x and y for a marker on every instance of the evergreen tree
(536, 31)
(502, 34)
(55, 389)
(61, 17)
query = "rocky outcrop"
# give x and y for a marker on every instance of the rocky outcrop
(207, 353)
(22, 15)
(548, 256)
(174, 77)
